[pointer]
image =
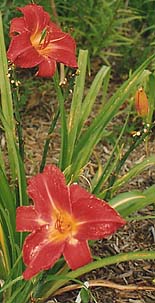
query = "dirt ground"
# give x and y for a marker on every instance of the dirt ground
(134, 236)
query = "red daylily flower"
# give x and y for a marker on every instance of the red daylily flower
(36, 41)
(61, 221)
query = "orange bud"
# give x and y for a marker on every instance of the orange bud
(141, 102)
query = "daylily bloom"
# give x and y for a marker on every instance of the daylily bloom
(36, 41)
(61, 221)
(141, 102)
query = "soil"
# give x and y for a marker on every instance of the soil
(134, 236)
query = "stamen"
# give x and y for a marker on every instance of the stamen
(62, 225)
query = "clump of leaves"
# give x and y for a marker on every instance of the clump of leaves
(143, 33)
(99, 26)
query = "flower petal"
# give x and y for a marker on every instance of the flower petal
(35, 17)
(29, 48)
(98, 219)
(49, 191)
(77, 192)
(62, 48)
(46, 68)
(27, 219)
(17, 26)
(39, 253)
(22, 53)
(77, 255)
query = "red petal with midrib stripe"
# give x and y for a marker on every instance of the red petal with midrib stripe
(77, 255)
(39, 253)
(49, 192)
(98, 219)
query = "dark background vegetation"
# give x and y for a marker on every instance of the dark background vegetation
(121, 32)
(117, 33)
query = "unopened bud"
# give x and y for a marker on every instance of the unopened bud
(141, 102)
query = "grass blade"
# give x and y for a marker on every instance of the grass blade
(92, 94)
(75, 111)
(94, 132)
(130, 202)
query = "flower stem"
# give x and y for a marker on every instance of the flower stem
(123, 257)
(64, 131)
(16, 99)
(56, 17)
(47, 142)
(12, 282)
(125, 157)
(54, 11)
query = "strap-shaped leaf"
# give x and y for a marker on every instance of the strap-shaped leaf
(7, 119)
(75, 111)
(129, 202)
(94, 132)
(90, 98)
(134, 171)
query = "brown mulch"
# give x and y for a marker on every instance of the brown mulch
(134, 236)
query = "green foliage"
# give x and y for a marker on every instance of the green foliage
(142, 31)
(146, 9)
(8, 10)
(130, 202)
(78, 141)
(98, 26)
(111, 30)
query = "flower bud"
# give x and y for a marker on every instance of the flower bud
(141, 102)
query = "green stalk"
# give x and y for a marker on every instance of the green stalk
(151, 91)
(6, 99)
(64, 132)
(76, 105)
(93, 133)
(16, 99)
(11, 283)
(108, 169)
(4, 260)
(47, 142)
(7, 119)
(19, 171)
(124, 158)
(124, 257)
